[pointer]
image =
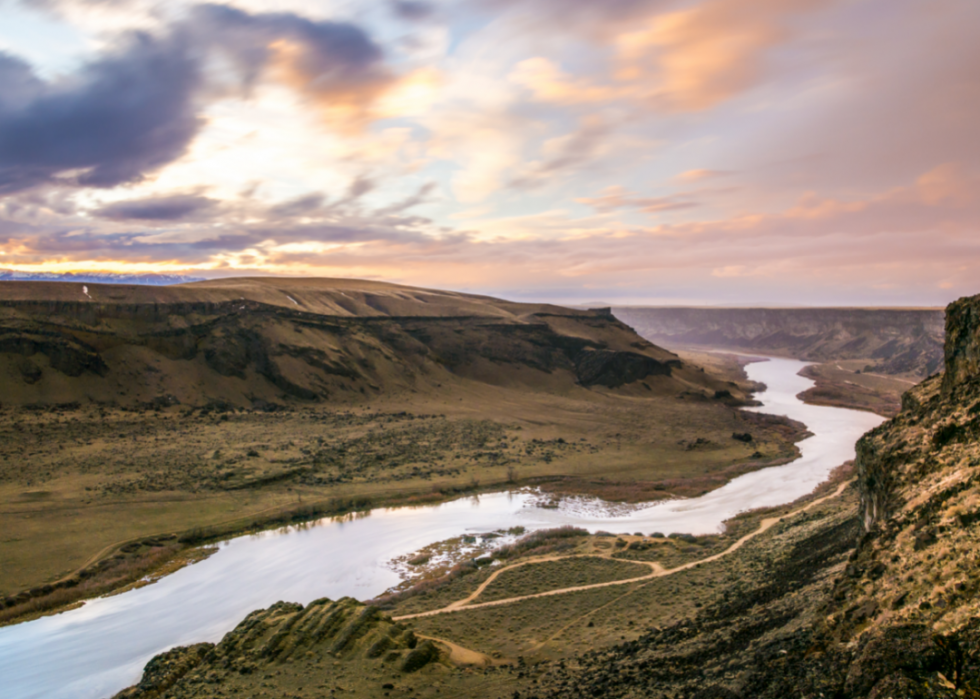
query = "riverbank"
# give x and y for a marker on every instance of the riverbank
(111, 494)
(845, 383)
(511, 629)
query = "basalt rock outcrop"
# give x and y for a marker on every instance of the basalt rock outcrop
(306, 644)
(897, 341)
(281, 340)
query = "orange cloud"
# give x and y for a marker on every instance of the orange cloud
(700, 57)
(345, 99)
(698, 175)
(617, 197)
(549, 84)
(950, 184)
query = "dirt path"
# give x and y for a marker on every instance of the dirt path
(658, 571)
(460, 655)
(653, 565)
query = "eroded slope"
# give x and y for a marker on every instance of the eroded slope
(252, 342)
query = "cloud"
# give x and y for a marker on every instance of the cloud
(137, 107)
(562, 154)
(412, 10)
(702, 56)
(698, 175)
(686, 60)
(548, 83)
(301, 206)
(900, 95)
(617, 197)
(828, 250)
(179, 207)
(588, 18)
(336, 64)
(120, 118)
(420, 197)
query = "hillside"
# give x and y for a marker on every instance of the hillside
(258, 341)
(363, 649)
(889, 341)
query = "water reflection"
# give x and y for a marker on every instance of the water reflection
(96, 650)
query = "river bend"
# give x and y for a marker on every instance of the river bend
(94, 651)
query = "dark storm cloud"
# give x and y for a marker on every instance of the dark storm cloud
(136, 108)
(121, 116)
(179, 207)
(331, 59)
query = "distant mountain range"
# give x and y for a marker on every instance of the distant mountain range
(97, 277)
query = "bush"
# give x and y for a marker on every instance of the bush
(540, 542)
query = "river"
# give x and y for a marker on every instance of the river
(94, 651)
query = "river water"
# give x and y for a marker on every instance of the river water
(96, 650)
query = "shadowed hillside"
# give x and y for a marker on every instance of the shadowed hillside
(257, 341)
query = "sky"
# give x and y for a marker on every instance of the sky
(779, 152)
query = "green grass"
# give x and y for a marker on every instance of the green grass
(552, 575)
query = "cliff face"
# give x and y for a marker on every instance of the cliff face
(897, 341)
(919, 477)
(962, 356)
(256, 342)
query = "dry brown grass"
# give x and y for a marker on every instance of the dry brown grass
(114, 574)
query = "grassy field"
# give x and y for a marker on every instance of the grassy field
(75, 482)
(553, 575)
(552, 628)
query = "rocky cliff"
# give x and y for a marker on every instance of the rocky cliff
(895, 341)
(919, 478)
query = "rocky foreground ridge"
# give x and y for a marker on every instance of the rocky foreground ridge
(896, 341)
(883, 603)
(298, 646)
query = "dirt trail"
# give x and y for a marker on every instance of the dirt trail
(460, 655)
(657, 572)
(654, 566)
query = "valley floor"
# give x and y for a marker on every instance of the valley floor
(93, 498)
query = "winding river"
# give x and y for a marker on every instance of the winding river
(94, 651)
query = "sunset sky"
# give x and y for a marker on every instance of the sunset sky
(627, 151)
